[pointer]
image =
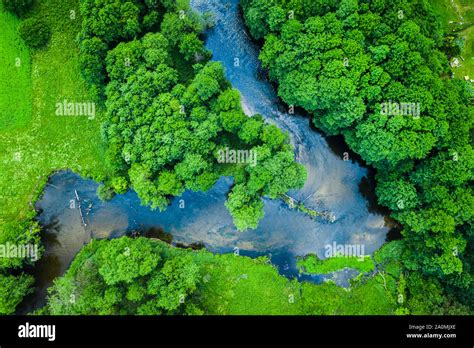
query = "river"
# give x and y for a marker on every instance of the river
(333, 185)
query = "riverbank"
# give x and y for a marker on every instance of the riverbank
(42, 142)
(34, 141)
(225, 285)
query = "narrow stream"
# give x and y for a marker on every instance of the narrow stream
(333, 185)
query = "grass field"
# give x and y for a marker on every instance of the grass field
(15, 88)
(34, 142)
(245, 286)
(460, 11)
(467, 68)
(467, 10)
(311, 264)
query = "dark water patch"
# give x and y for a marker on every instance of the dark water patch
(157, 233)
(45, 270)
(395, 232)
(338, 145)
(367, 189)
(192, 246)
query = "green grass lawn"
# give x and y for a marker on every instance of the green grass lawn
(240, 285)
(15, 86)
(311, 264)
(460, 11)
(467, 68)
(465, 9)
(34, 142)
(445, 10)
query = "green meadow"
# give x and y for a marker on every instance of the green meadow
(15, 89)
(311, 264)
(457, 12)
(467, 69)
(34, 142)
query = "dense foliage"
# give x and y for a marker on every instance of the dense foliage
(35, 32)
(106, 23)
(126, 276)
(18, 7)
(15, 284)
(165, 132)
(12, 291)
(376, 72)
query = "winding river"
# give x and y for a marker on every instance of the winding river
(333, 185)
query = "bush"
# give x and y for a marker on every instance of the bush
(35, 32)
(105, 193)
(12, 291)
(18, 7)
(92, 58)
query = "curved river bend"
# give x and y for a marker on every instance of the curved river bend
(333, 186)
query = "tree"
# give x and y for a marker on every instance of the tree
(20, 233)
(110, 20)
(105, 193)
(232, 120)
(119, 184)
(190, 168)
(12, 291)
(125, 259)
(245, 207)
(93, 51)
(177, 279)
(255, 17)
(450, 167)
(168, 183)
(251, 130)
(35, 32)
(397, 195)
(276, 175)
(141, 181)
(175, 27)
(434, 247)
(192, 48)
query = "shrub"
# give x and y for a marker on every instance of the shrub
(105, 193)
(35, 32)
(18, 7)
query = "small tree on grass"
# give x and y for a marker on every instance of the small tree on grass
(35, 32)
(18, 7)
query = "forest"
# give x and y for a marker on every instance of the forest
(358, 55)
(375, 72)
